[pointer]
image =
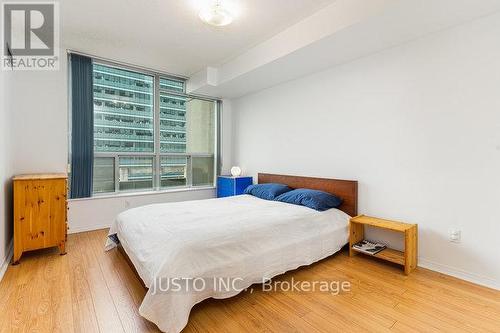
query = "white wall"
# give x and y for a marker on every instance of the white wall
(417, 125)
(39, 116)
(5, 174)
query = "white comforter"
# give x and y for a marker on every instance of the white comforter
(239, 237)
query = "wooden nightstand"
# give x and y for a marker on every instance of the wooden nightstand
(408, 258)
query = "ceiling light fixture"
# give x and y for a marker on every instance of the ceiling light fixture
(216, 15)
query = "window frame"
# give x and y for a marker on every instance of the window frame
(157, 154)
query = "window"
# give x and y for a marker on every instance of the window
(123, 112)
(172, 85)
(150, 137)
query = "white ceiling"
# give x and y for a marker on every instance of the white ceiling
(342, 32)
(167, 34)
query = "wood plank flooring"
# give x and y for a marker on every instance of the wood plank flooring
(90, 290)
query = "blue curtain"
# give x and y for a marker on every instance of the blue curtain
(82, 122)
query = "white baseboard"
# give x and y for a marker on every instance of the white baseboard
(460, 274)
(73, 230)
(7, 259)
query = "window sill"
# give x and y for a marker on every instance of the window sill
(143, 193)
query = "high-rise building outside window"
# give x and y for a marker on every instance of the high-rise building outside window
(150, 136)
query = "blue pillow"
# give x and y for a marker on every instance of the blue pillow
(267, 191)
(314, 199)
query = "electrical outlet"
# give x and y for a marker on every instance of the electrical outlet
(455, 235)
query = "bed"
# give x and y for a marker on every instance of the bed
(186, 252)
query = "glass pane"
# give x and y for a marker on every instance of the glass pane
(186, 125)
(173, 171)
(136, 173)
(203, 171)
(123, 110)
(104, 174)
(172, 85)
(200, 126)
(172, 124)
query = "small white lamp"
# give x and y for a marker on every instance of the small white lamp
(236, 171)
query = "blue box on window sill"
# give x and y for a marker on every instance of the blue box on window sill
(228, 186)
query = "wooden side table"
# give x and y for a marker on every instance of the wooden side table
(408, 258)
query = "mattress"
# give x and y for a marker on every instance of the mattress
(240, 239)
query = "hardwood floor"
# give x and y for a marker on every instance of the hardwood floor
(90, 290)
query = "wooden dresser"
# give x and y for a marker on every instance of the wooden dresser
(39, 213)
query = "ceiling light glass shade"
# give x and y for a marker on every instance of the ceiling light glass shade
(216, 15)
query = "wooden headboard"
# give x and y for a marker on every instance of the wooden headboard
(347, 190)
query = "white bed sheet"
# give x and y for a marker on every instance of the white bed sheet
(235, 237)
